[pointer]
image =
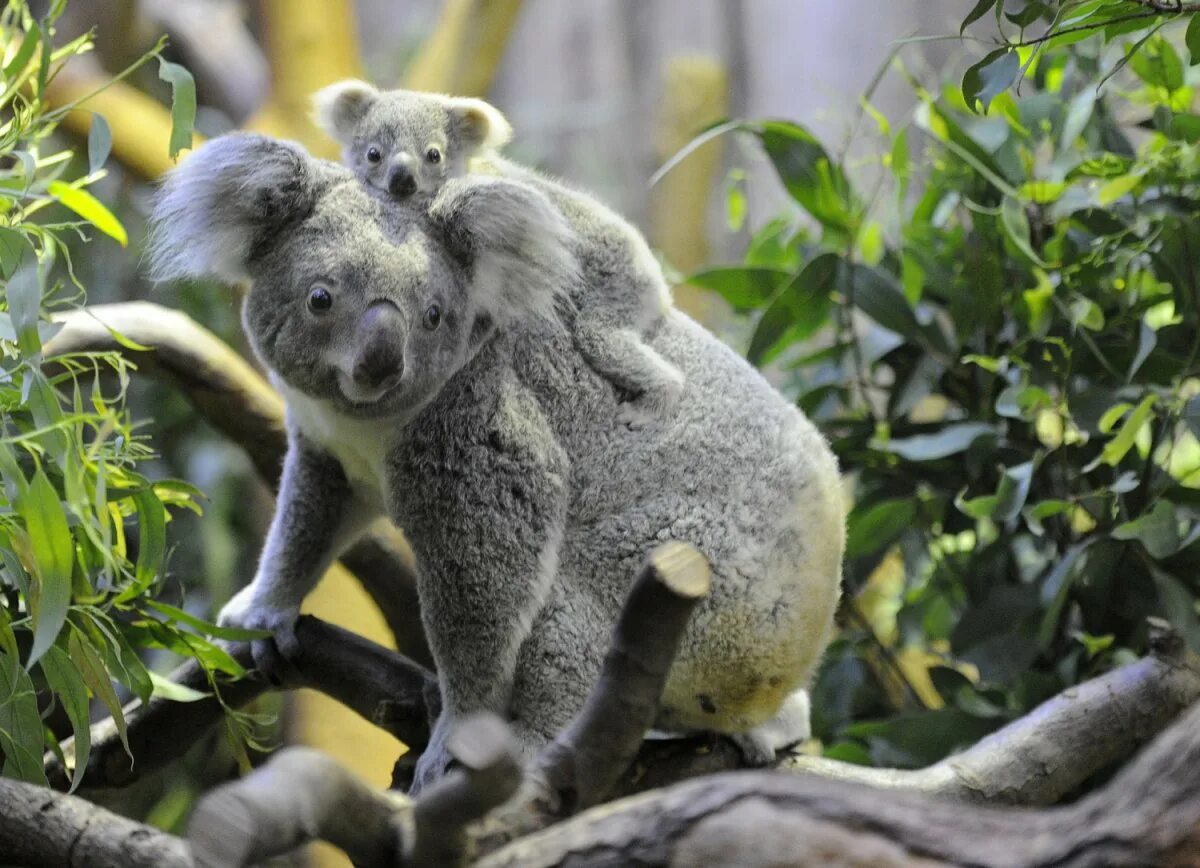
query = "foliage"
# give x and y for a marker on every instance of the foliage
(998, 325)
(83, 537)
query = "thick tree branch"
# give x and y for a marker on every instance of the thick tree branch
(1148, 815)
(382, 686)
(40, 828)
(232, 397)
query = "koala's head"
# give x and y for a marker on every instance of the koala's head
(404, 141)
(354, 298)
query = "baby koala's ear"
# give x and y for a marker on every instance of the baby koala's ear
(340, 107)
(224, 199)
(515, 245)
(478, 125)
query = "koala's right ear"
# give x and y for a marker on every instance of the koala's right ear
(228, 195)
(340, 107)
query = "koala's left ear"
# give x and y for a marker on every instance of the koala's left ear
(478, 124)
(513, 240)
(228, 195)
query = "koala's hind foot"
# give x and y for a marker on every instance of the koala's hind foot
(624, 359)
(790, 726)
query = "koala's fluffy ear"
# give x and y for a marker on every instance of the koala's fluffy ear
(228, 195)
(515, 243)
(478, 125)
(340, 107)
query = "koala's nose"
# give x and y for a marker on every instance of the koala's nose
(379, 362)
(401, 181)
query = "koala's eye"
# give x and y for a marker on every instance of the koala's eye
(433, 155)
(433, 317)
(374, 155)
(320, 299)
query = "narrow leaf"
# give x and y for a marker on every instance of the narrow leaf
(183, 104)
(90, 209)
(54, 556)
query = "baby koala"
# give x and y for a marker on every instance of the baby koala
(410, 143)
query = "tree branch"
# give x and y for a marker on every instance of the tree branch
(382, 686)
(232, 397)
(1170, 7)
(1148, 815)
(40, 828)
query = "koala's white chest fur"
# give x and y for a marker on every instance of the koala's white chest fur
(360, 445)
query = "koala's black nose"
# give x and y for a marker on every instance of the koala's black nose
(379, 361)
(401, 181)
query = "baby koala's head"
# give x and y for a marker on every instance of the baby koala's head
(404, 141)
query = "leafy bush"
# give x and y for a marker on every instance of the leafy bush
(1000, 337)
(83, 541)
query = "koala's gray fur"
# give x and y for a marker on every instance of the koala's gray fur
(623, 293)
(499, 450)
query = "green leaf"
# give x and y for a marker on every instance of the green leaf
(798, 309)
(53, 550)
(152, 536)
(96, 677)
(951, 440)
(990, 77)
(90, 209)
(1016, 226)
(233, 634)
(813, 179)
(879, 295)
(878, 525)
(99, 143)
(1147, 341)
(1116, 448)
(13, 248)
(1056, 588)
(167, 689)
(1193, 39)
(24, 54)
(183, 104)
(1157, 63)
(981, 8)
(744, 288)
(1157, 530)
(64, 679)
(21, 738)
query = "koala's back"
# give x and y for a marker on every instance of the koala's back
(621, 276)
(739, 473)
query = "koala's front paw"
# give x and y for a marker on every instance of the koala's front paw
(249, 610)
(435, 760)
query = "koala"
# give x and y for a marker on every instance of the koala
(411, 143)
(429, 377)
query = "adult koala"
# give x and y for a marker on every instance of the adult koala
(429, 373)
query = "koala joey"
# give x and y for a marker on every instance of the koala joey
(429, 377)
(410, 143)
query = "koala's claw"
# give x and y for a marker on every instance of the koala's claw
(272, 655)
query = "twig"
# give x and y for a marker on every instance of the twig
(585, 761)
(299, 796)
(489, 773)
(232, 397)
(381, 685)
(1044, 755)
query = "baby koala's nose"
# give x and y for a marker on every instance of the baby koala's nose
(401, 181)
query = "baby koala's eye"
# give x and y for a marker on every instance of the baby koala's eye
(433, 317)
(433, 155)
(374, 155)
(320, 299)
